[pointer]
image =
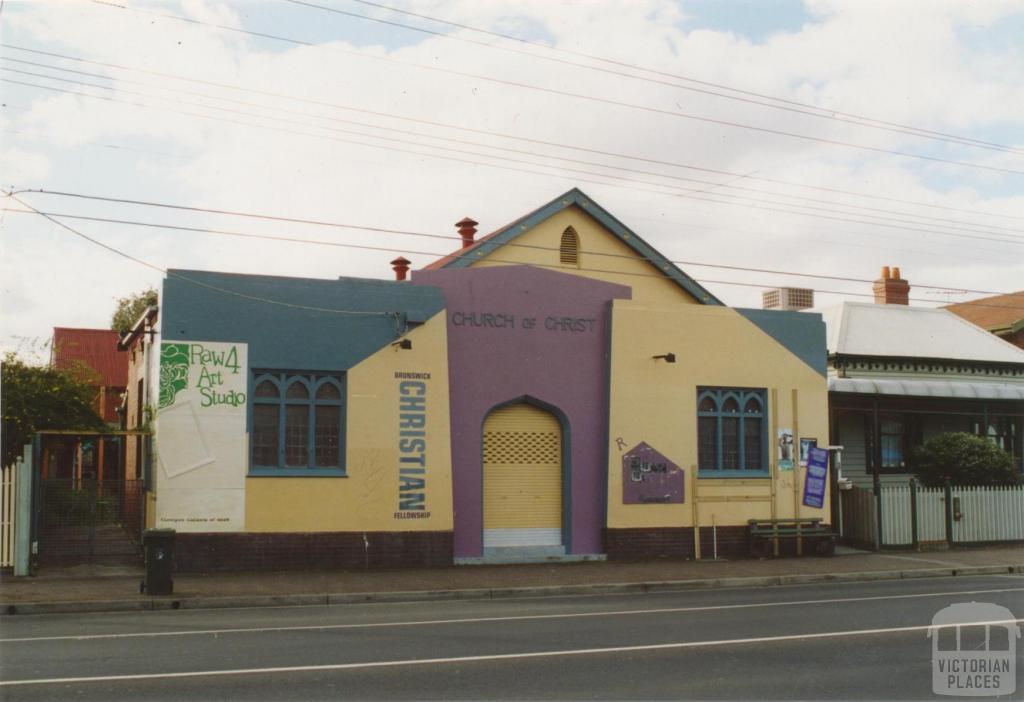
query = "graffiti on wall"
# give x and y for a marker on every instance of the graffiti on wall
(648, 477)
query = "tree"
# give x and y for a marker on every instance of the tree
(965, 459)
(130, 308)
(42, 397)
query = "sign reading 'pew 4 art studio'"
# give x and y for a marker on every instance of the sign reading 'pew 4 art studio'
(200, 483)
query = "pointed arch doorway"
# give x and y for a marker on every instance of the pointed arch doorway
(523, 479)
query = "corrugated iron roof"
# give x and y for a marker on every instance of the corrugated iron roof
(867, 329)
(913, 387)
(95, 348)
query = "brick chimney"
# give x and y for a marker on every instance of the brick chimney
(467, 230)
(401, 267)
(891, 289)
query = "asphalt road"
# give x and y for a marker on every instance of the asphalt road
(823, 641)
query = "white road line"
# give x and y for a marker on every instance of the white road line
(509, 618)
(925, 560)
(493, 657)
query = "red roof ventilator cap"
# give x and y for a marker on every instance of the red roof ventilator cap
(467, 230)
(401, 267)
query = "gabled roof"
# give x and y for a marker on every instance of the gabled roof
(899, 331)
(96, 348)
(486, 245)
(996, 314)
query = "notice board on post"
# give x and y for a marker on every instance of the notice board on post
(817, 477)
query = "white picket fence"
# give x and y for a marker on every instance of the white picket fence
(989, 514)
(980, 514)
(896, 527)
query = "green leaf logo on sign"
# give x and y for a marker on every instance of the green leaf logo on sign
(173, 372)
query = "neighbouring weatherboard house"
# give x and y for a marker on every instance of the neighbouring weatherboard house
(900, 375)
(557, 389)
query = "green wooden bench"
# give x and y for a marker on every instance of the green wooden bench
(810, 531)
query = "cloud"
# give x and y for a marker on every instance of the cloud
(261, 152)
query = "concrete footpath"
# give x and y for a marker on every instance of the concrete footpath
(98, 589)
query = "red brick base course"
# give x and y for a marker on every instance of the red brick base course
(673, 543)
(197, 553)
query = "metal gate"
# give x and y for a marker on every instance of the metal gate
(89, 521)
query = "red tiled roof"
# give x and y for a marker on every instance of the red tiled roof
(992, 312)
(445, 260)
(96, 348)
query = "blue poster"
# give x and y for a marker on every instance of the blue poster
(817, 476)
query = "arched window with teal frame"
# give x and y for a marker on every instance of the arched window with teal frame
(731, 432)
(297, 423)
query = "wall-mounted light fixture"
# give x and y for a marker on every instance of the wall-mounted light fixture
(402, 344)
(667, 357)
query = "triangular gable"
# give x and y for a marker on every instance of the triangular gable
(489, 244)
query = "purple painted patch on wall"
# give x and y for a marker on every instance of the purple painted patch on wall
(650, 478)
(524, 334)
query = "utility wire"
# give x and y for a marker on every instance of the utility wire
(803, 109)
(825, 112)
(404, 232)
(174, 274)
(566, 93)
(630, 182)
(505, 135)
(658, 274)
(952, 224)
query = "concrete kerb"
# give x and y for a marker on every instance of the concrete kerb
(207, 602)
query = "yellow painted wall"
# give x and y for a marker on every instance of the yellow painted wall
(656, 402)
(367, 499)
(602, 257)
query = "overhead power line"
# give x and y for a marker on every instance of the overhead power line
(406, 232)
(825, 111)
(505, 135)
(657, 274)
(198, 283)
(952, 224)
(566, 93)
(627, 183)
(787, 105)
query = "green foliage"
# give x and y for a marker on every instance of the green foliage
(41, 397)
(130, 308)
(965, 459)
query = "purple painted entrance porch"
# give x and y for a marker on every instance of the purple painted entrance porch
(523, 333)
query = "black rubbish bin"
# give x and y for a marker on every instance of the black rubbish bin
(158, 545)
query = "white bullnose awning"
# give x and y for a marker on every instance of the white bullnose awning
(928, 388)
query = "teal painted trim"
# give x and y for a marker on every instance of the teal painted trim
(297, 473)
(625, 234)
(23, 511)
(800, 333)
(606, 428)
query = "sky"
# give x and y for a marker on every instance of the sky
(820, 138)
